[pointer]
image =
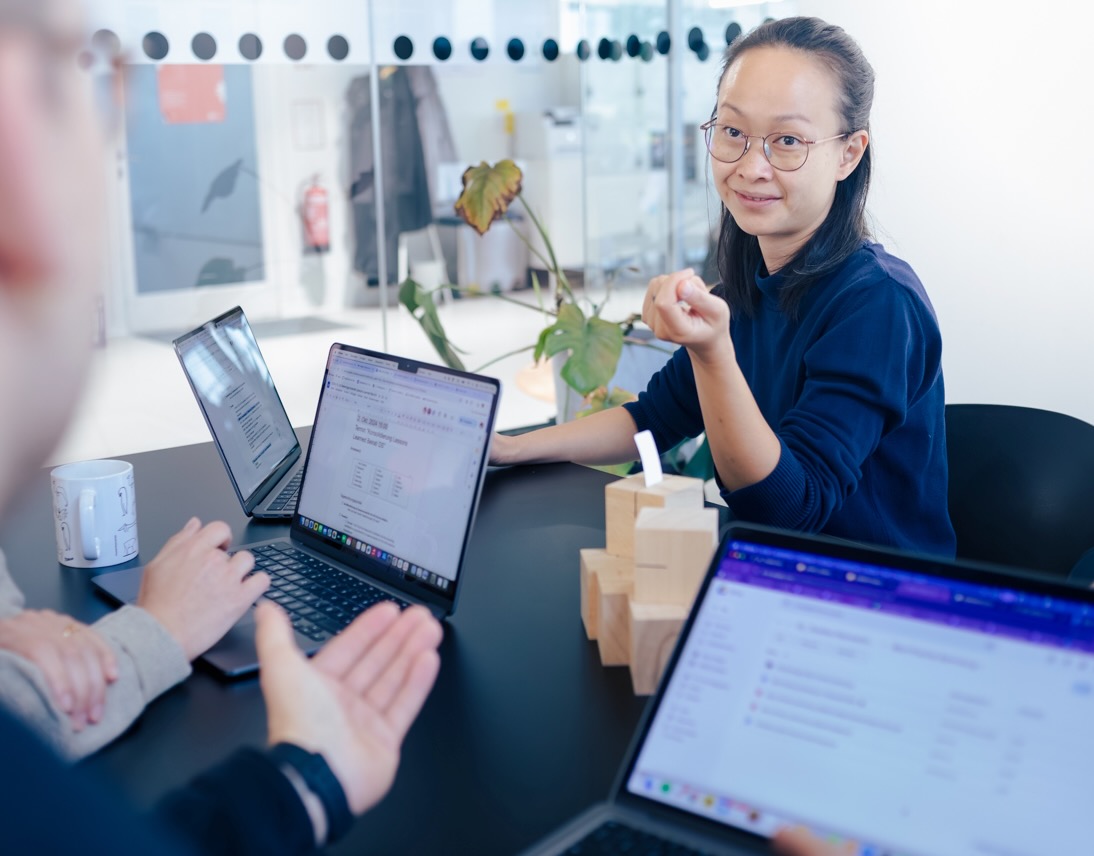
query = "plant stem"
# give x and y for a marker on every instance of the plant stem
(555, 269)
(496, 295)
(502, 357)
(527, 243)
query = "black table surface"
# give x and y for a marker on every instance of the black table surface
(524, 727)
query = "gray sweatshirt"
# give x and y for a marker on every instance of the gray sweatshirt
(150, 662)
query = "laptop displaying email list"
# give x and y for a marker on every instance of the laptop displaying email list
(395, 467)
(906, 712)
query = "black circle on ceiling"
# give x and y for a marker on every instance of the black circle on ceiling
(204, 46)
(295, 46)
(479, 48)
(664, 42)
(338, 47)
(704, 52)
(647, 52)
(442, 48)
(404, 48)
(515, 49)
(695, 39)
(250, 46)
(550, 50)
(106, 42)
(155, 45)
(583, 50)
(634, 46)
(732, 31)
(604, 49)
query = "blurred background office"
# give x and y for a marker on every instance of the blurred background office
(302, 159)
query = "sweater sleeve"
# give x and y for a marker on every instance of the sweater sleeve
(669, 406)
(874, 360)
(150, 661)
(244, 805)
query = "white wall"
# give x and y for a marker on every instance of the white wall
(985, 169)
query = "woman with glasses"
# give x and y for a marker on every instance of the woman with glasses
(814, 365)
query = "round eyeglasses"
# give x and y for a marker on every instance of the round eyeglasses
(784, 152)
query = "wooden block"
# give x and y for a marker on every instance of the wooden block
(654, 629)
(613, 630)
(673, 547)
(624, 497)
(620, 503)
(594, 565)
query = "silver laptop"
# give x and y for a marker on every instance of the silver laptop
(909, 705)
(392, 481)
(251, 430)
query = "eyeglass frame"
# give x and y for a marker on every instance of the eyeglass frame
(712, 123)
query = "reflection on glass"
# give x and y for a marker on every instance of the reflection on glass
(194, 199)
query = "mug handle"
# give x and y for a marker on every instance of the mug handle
(88, 540)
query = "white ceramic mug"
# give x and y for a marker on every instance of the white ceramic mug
(94, 513)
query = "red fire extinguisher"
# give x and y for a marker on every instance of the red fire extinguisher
(315, 213)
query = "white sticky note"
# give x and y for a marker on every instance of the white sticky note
(651, 460)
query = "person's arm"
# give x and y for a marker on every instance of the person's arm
(606, 437)
(80, 687)
(679, 308)
(351, 705)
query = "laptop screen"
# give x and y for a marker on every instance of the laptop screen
(396, 463)
(906, 712)
(237, 396)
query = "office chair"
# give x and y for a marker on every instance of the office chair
(1021, 488)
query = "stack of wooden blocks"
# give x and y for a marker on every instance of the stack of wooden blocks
(636, 593)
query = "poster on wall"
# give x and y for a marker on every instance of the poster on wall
(193, 183)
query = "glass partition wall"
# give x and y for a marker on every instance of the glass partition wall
(247, 170)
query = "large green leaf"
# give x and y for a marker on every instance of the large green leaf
(594, 345)
(420, 304)
(487, 192)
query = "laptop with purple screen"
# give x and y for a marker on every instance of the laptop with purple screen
(906, 704)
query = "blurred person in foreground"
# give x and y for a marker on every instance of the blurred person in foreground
(335, 723)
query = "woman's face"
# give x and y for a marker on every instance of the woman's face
(777, 90)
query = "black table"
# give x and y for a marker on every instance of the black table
(524, 727)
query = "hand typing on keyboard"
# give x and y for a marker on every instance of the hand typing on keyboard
(195, 589)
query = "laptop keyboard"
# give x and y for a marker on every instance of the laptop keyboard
(612, 837)
(288, 493)
(319, 599)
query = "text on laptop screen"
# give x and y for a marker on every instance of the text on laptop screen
(395, 462)
(241, 404)
(909, 713)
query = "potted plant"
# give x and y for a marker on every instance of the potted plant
(588, 345)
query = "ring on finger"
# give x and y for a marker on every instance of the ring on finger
(70, 629)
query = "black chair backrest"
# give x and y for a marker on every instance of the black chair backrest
(1021, 486)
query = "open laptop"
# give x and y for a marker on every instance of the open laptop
(392, 481)
(239, 401)
(910, 705)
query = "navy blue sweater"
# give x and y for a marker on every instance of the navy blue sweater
(854, 391)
